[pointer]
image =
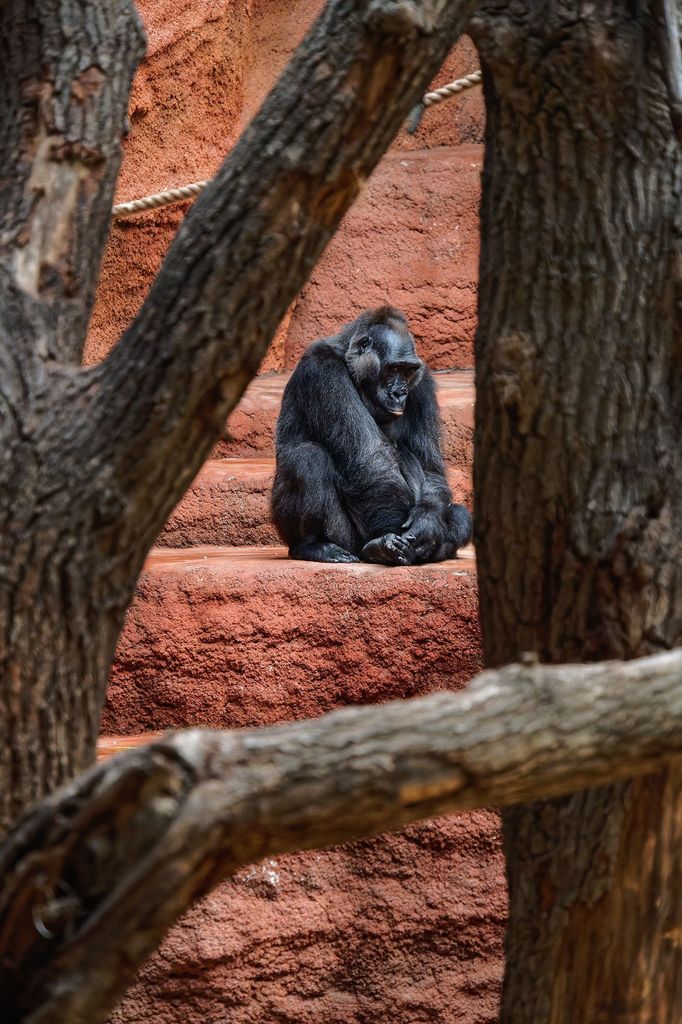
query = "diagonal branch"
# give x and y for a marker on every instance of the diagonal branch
(251, 240)
(670, 53)
(65, 74)
(95, 875)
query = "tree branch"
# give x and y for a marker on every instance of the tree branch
(670, 53)
(95, 875)
(65, 76)
(250, 242)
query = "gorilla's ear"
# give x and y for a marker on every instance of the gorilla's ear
(359, 344)
(361, 359)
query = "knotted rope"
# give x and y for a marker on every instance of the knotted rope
(185, 192)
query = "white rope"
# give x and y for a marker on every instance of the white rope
(173, 195)
(184, 192)
(452, 88)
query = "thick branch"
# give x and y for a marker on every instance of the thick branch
(251, 240)
(668, 38)
(65, 73)
(95, 875)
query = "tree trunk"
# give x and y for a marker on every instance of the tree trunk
(65, 75)
(579, 401)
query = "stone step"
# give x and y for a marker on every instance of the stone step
(250, 429)
(109, 746)
(396, 928)
(228, 637)
(229, 504)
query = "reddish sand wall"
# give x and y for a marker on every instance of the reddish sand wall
(209, 66)
(401, 930)
(406, 931)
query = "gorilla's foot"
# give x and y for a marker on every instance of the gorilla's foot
(391, 549)
(323, 551)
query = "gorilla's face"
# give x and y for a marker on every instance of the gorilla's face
(385, 367)
(400, 368)
(395, 381)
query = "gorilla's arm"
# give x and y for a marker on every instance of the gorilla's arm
(421, 436)
(324, 407)
(427, 526)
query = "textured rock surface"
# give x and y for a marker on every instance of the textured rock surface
(209, 65)
(184, 115)
(231, 637)
(411, 240)
(278, 25)
(404, 928)
(251, 426)
(229, 504)
(401, 930)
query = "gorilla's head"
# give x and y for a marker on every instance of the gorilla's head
(383, 362)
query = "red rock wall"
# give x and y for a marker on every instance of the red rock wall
(184, 114)
(209, 66)
(405, 929)
(411, 240)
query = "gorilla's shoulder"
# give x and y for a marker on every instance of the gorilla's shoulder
(325, 350)
(321, 366)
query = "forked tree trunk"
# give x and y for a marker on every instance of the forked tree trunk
(578, 475)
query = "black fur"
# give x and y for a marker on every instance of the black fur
(360, 472)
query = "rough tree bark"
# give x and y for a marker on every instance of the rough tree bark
(92, 461)
(194, 807)
(580, 245)
(578, 473)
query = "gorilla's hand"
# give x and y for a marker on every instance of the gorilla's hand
(389, 550)
(425, 530)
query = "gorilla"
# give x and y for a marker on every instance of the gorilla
(360, 472)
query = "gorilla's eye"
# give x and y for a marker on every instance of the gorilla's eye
(408, 371)
(388, 374)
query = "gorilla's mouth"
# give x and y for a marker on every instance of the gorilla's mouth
(396, 406)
